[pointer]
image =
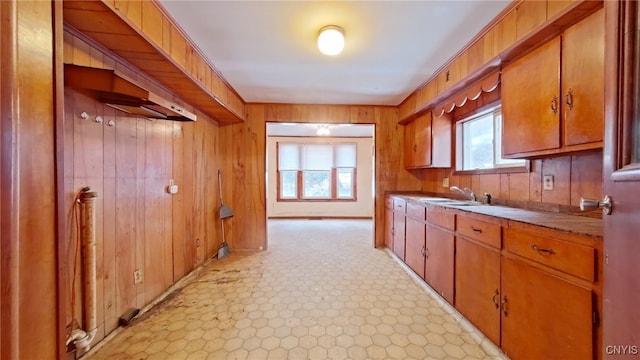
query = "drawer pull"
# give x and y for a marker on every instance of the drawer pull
(503, 305)
(542, 251)
(475, 229)
(496, 299)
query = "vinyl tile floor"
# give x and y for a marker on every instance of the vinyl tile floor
(320, 291)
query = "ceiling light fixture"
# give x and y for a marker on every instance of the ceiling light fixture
(323, 130)
(331, 40)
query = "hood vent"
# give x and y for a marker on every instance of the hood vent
(123, 94)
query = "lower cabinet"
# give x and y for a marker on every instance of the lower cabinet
(415, 238)
(388, 223)
(533, 291)
(439, 259)
(478, 286)
(544, 316)
(399, 227)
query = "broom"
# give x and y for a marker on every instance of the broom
(225, 212)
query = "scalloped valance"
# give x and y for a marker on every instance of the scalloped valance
(472, 92)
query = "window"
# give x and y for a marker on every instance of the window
(479, 142)
(316, 171)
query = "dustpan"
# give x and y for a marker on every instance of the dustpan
(225, 212)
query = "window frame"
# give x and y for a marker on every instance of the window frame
(493, 107)
(300, 195)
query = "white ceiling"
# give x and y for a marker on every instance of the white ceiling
(267, 52)
(310, 130)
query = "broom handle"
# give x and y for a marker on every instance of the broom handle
(223, 239)
(220, 185)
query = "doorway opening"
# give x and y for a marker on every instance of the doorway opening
(320, 171)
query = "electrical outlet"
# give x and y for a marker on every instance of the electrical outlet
(547, 182)
(198, 242)
(137, 276)
(172, 188)
(445, 182)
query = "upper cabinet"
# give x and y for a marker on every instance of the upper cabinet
(553, 97)
(428, 142)
(142, 34)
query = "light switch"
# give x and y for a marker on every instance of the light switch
(445, 182)
(547, 182)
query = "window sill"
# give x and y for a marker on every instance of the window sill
(505, 170)
(317, 200)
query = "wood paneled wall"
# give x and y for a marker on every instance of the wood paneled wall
(244, 150)
(575, 176)
(28, 266)
(130, 161)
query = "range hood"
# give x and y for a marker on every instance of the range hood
(109, 87)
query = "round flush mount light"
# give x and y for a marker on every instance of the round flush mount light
(331, 40)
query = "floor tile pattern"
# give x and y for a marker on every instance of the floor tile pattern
(320, 291)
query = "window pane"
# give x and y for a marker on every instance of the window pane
(345, 155)
(288, 156)
(345, 183)
(317, 157)
(317, 184)
(288, 184)
(478, 144)
(498, 148)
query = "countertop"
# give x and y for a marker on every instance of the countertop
(580, 225)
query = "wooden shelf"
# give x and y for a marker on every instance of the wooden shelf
(173, 62)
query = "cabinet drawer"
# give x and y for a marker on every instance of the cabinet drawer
(388, 203)
(574, 259)
(482, 231)
(442, 219)
(399, 204)
(416, 211)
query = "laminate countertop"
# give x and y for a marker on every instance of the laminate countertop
(581, 225)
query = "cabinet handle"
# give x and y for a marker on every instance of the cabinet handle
(569, 99)
(422, 252)
(503, 305)
(415, 147)
(393, 231)
(475, 229)
(496, 299)
(542, 251)
(426, 253)
(554, 105)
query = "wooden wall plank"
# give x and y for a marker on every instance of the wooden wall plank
(586, 177)
(178, 209)
(529, 14)
(560, 169)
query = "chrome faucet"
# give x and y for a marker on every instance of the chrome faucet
(466, 192)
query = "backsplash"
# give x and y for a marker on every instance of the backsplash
(574, 176)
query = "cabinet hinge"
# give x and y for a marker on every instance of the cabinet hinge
(596, 318)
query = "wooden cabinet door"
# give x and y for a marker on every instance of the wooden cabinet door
(530, 101)
(439, 261)
(410, 146)
(414, 249)
(388, 228)
(477, 279)
(543, 316)
(398, 234)
(583, 80)
(422, 139)
(417, 142)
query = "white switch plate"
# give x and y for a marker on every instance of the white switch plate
(445, 182)
(547, 182)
